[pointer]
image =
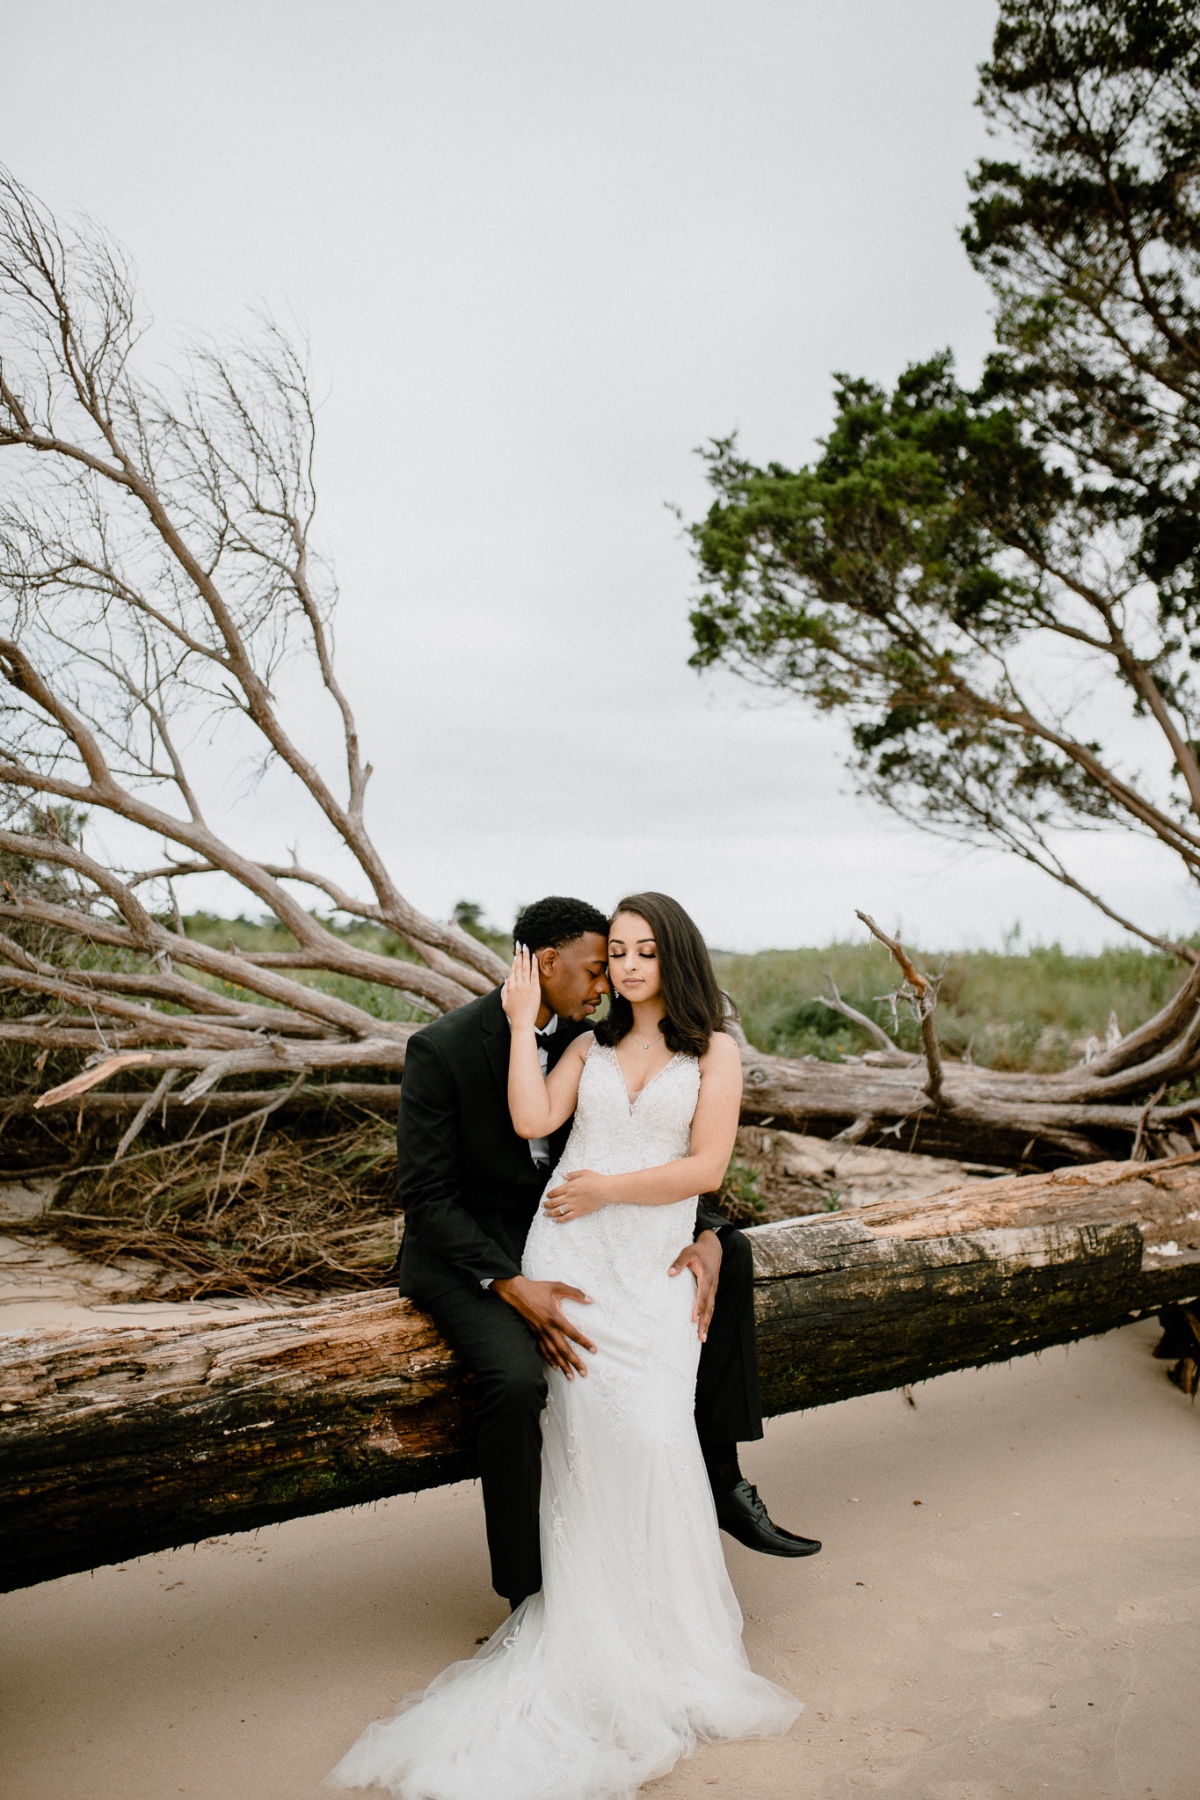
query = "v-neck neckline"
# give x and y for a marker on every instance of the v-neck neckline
(632, 1099)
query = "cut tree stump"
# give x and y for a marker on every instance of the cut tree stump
(117, 1441)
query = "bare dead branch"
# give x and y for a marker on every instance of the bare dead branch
(153, 1100)
(924, 1000)
(91, 1078)
(276, 1058)
(1135, 1152)
(838, 1005)
(171, 560)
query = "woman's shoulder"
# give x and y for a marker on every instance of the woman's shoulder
(721, 1056)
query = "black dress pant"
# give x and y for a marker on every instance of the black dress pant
(495, 1343)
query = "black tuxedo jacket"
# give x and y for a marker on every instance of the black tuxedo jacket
(466, 1182)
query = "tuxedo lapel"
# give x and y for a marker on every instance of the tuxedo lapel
(496, 1041)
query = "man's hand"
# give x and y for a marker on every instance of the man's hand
(703, 1258)
(538, 1304)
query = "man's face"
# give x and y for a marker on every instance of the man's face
(575, 976)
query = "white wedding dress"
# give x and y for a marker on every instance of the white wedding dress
(632, 1652)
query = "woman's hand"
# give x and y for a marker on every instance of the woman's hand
(521, 995)
(582, 1191)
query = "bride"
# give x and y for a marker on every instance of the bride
(631, 1653)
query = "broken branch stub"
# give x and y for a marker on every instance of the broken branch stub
(922, 996)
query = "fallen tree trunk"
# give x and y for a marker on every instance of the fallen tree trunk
(900, 1291)
(1109, 1106)
(117, 1442)
(981, 1115)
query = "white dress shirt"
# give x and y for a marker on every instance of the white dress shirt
(539, 1148)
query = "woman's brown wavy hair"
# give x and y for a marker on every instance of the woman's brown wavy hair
(694, 1004)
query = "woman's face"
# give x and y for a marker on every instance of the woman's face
(633, 968)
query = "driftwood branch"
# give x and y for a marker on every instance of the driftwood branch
(157, 565)
(861, 1019)
(989, 1115)
(998, 1116)
(116, 1442)
(921, 991)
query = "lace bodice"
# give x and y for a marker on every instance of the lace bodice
(615, 1135)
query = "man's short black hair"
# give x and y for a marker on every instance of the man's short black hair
(557, 920)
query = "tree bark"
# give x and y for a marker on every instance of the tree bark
(118, 1442)
(981, 1115)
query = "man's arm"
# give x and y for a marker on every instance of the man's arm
(708, 1219)
(428, 1178)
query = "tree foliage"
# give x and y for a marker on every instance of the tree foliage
(998, 583)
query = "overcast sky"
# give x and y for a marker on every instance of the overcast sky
(542, 251)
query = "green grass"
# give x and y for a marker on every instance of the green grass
(1028, 1010)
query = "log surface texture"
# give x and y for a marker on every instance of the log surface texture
(985, 1115)
(117, 1441)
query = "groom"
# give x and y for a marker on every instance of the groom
(470, 1187)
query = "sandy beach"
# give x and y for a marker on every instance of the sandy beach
(1031, 1628)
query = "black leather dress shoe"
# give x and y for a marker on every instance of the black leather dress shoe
(742, 1514)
